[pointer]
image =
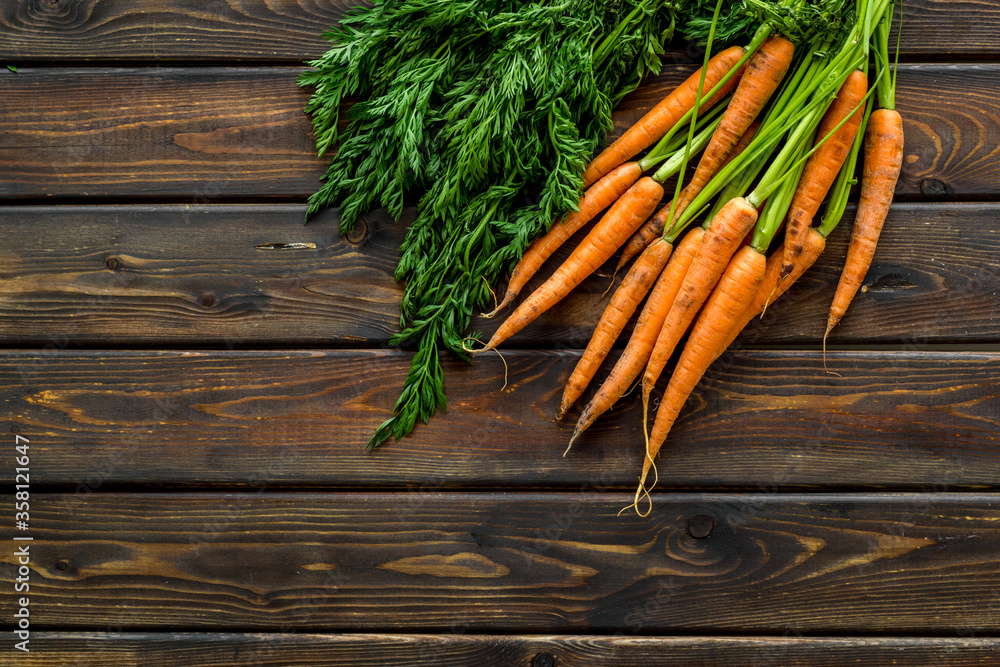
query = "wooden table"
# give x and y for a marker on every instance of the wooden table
(196, 372)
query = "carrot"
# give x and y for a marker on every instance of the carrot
(640, 344)
(655, 225)
(653, 229)
(624, 217)
(626, 298)
(661, 118)
(723, 237)
(771, 288)
(883, 161)
(598, 197)
(823, 166)
(737, 286)
(763, 75)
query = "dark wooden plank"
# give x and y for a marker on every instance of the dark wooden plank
(194, 134)
(108, 649)
(197, 134)
(230, 276)
(759, 420)
(944, 29)
(207, 275)
(288, 30)
(166, 30)
(512, 562)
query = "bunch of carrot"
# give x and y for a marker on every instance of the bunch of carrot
(792, 131)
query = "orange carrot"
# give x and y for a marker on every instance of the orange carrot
(723, 237)
(653, 229)
(764, 72)
(883, 161)
(822, 167)
(624, 217)
(598, 197)
(737, 287)
(655, 225)
(626, 298)
(658, 120)
(771, 288)
(636, 353)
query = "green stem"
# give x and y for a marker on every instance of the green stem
(674, 162)
(708, 120)
(776, 209)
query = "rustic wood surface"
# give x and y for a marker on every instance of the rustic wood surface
(216, 134)
(197, 373)
(527, 562)
(288, 31)
(238, 276)
(121, 649)
(759, 420)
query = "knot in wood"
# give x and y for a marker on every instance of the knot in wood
(701, 526)
(207, 300)
(543, 660)
(113, 263)
(931, 187)
(62, 565)
(359, 234)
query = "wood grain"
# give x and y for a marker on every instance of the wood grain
(759, 420)
(194, 134)
(197, 135)
(527, 563)
(102, 649)
(158, 31)
(244, 276)
(289, 30)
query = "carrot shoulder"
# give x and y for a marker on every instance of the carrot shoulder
(822, 167)
(624, 217)
(658, 120)
(737, 286)
(598, 197)
(882, 164)
(625, 300)
(640, 344)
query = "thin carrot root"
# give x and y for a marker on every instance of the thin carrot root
(597, 198)
(624, 217)
(825, 369)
